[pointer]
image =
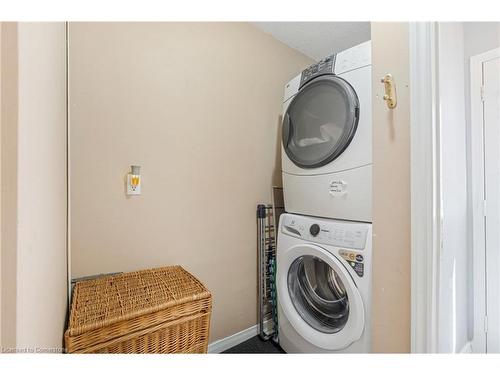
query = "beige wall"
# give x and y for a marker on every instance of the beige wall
(36, 123)
(8, 198)
(0, 185)
(391, 190)
(197, 106)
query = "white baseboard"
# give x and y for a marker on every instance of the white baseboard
(467, 348)
(228, 342)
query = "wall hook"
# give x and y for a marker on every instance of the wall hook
(390, 91)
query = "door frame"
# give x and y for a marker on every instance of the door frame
(477, 197)
(426, 216)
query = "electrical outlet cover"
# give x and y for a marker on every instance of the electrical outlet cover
(133, 190)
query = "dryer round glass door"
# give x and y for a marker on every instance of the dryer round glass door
(319, 297)
(320, 122)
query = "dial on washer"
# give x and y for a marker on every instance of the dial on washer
(314, 230)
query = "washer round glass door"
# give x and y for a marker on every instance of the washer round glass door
(318, 294)
(319, 297)
(320, 122)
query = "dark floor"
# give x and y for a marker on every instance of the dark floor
(256, 345)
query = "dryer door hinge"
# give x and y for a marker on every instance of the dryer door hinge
(482, 93)
(486, 324)
(484, 208)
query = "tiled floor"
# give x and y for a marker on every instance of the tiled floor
(256, 345)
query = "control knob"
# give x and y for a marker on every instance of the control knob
(314, 230)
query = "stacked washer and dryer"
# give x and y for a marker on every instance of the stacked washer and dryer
(324, 249)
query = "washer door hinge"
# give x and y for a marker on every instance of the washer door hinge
(484, 208)
(482, 93)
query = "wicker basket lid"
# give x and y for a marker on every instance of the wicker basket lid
(100, 302)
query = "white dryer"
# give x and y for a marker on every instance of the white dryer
(327, 138)
(324, 285)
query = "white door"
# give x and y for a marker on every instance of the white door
(491, 122)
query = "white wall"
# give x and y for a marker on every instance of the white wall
(458, 42)
(479, 37)
(452, 309)
(36, 125)
(41, 256)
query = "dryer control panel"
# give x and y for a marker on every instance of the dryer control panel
(324, 66)
(328, 232)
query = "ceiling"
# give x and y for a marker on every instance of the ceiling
(317, 39)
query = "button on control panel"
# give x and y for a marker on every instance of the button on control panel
(345, 235)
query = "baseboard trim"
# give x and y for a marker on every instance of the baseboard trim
(467, 348)
(228, 342)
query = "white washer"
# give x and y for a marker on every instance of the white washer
(323, 283)
(327, 138)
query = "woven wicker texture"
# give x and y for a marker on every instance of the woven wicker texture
(163, 310)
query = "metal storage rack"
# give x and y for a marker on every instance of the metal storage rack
(267, 257)
(267, 221)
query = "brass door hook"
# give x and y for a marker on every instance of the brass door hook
(390, 91)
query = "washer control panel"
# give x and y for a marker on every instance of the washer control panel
(334, 233)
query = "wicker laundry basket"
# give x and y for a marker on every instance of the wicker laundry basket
(162, 310)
